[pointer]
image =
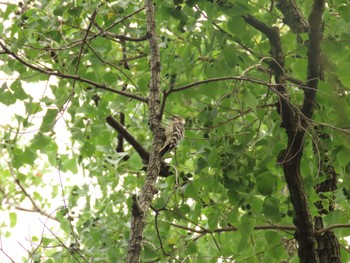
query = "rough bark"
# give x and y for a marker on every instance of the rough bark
(291, 157)
(292, 16)
(295, 123)
(142, 202)
(307, 109)
(328, 245)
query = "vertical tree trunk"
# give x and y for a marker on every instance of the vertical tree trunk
(328, 245)
(142, 202)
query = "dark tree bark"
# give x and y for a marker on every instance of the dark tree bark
(328, 244)
(292, 16)
(142, 202)
(295, 123)
(291, 157)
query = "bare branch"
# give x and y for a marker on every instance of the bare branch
(125, 134)
(24, 191)
(122, 37)
(206, 81)
(3, 251)
(118, 21)
(314, 58)
(290, 158)
(36, 207)
(73, 77)
(129, 138)
(73, 252)
(234, 229)
(330, 227)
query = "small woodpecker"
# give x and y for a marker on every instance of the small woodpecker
(174, 133)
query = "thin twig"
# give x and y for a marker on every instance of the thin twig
(330, 227)
(24, 191)
(234, 229)
(3, 251)
(65, 205)
(73, 77)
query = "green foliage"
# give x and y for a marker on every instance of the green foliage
(226, 181)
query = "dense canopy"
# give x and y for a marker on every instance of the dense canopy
(262, 174)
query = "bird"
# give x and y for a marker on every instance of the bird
(174, 133)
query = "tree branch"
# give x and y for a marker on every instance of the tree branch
(122, 37)
(314, 58)
(330, 227)
(3, 251)
(234, 229)
(277, 65)
(328, 244)
(73, 77)
(35, 206)
(142, 152)
(290, 158)
(142, 203)
(206, 81)
(293, 17)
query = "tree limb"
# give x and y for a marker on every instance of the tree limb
(292, 16)
(328, 244)
(234, 229)
(290, 158)
(331, 227)
(143, 153)
(35, 206)
(314, 58)
(122, 37)
(73, 77)
(237, 78)
(142, 202)
(4, 252)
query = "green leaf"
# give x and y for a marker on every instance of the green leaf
(236, 25)
(40, 141)
(28, 156)
(213, 220)
(70, 164)
(246, 226)
(75, 11)
(191, 248)
(275, 252)
(230, 55)
(6, 96)
(266, 183)
(245, 229)
(250, 100)
(343, 74)
(136, 162)
(59, 11)
(49, 120)
(272, 238)
(110, 77)
(178, 14)
(271, 208)
(88, 149)
(345, 12)
(19, 92)
(13, 219)
(191, 190)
